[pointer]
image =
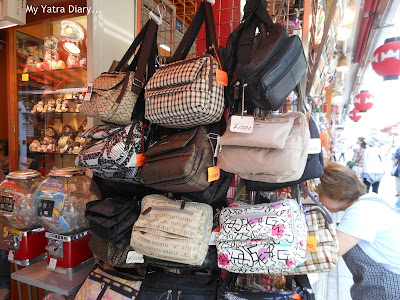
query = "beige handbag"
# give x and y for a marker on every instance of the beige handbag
(114, 94)
(275, 151)
(173, 230)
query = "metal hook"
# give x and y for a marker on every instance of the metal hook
(157, 19)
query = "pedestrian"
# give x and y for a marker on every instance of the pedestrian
(368, 234)
(342, 150)
(373, 167)
(396, 163)
(358, 157)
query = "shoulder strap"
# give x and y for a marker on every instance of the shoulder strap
(204, 13)
(327, 214)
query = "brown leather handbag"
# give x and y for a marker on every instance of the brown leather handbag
(179, 163)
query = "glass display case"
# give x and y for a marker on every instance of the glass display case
(52, 73)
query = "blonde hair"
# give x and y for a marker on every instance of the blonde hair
(340, 183)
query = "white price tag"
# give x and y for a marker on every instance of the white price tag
(243, 124)
(213, 238)
(53, 263)
(11, 255)
(134, 257)
(314, 146)
(88, 93)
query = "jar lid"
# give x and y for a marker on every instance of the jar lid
(66, 172)
(23, 174)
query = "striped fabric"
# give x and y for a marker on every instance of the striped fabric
(185, 94)
(326, 256)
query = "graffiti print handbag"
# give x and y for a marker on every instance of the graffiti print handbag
(263, 238)
(114, 94)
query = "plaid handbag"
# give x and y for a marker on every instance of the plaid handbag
(185, 94)
(322, 247)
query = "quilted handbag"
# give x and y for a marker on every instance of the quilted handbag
(314, 166)
(179, 162)
(112, 218)
(114, 94)
(171, 230)
(157, 286)
(106, 284)
(270, 63)
(112, 151)
(264, 238)
(276, 151)
(322, 255)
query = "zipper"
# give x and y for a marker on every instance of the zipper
(166, 208)
(186, 61)
(254, 215)
(282, 42)
(283, 73)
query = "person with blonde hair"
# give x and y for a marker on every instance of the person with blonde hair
(368, 233)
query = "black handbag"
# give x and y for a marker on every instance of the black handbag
(159, 285)
(111, 219)
(314, 168)
(270, 64)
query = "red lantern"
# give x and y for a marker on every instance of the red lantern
(354, 115)
(363, 101)
(386, 59)
(325, 107)
(335, 109)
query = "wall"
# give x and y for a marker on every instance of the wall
(3, 87)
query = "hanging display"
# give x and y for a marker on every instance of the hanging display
(386, 59)
(354, 115)
(363, 101)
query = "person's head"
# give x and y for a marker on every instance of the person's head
(361, 142)
(340, 187)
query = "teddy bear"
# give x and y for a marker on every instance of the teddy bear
(65, 106)
(35, 146)
(51, 105)
(40, 106)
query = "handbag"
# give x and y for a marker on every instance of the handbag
(159, 285)
(112, 218)
(270, 64)
(112, 152)
(177, 231)
(179, 162)
(264, 238)
(314, 166)
(322, 253)
(185, 93)
(114, 94)
(395, 171)
(107, 284)
(275, 151)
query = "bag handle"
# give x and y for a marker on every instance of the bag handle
(327, 214)
(204, 13)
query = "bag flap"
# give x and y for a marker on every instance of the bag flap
(172, 142)
(271, 132)
(108, 81)
(101, 131)
(109, 207)
(177, 73)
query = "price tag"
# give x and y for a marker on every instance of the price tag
(88, 93)
(25, 77)
(214, 236)
(11, 255)
(213, 173)
(222, 77)
(140, 159)
(53, 263)
(314, 146)
(243, 124)
(311, 243)
(134, 257)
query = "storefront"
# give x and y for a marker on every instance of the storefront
(53, 64)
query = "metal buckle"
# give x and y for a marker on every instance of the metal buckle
(138, 83)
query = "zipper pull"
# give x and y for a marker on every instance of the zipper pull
(179, 295)
(146, 211)
(169, 294)
(236, 90)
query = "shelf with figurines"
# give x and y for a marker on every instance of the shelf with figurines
(51, 141)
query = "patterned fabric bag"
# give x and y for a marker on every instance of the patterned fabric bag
(106, 284)
(185, 94)
(112, 152)
(114, 94)
(173, 230)
(263, 238)
(322, 255)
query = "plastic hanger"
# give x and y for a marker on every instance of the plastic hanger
(158, 19)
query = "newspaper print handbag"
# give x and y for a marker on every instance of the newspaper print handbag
(263, 238)
(185, 94)
(171, 230)
(112, 151)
